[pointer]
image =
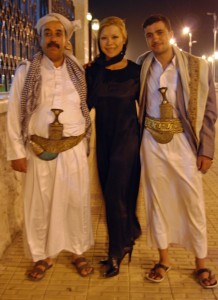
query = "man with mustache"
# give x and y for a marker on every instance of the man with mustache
(177, 115)
(48, 135)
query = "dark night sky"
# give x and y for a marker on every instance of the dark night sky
(192, 13)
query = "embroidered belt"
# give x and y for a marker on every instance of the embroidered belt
(163, 130)
(48, 149)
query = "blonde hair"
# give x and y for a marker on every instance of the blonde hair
(113, 21)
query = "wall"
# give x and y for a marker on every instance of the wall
(81, 35)
(11, 207)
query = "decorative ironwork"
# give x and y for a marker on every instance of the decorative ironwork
(66, 8)
(17, 37)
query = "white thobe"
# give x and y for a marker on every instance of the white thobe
(56, 193)
(172, 183)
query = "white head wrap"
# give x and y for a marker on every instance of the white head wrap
(70, 26)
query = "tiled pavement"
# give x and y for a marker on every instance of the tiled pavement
(63, 283)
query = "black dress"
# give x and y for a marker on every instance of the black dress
(113, 93)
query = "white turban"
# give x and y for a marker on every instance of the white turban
(69, 26)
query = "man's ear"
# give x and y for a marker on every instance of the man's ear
(68, 46)
(171, 34)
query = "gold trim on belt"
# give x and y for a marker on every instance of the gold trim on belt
(48, 149)
(168, 125)
(41, 144)
(163, 130)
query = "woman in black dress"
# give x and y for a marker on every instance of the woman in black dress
(113, 88)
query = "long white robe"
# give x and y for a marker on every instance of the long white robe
(56, 193)
(172, 182)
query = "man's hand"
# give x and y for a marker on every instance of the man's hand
(204, 163)
(88, 64)
(19, 165)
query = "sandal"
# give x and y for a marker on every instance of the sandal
(203, 281)
(153, 275)
(36, 271)
(81, 265)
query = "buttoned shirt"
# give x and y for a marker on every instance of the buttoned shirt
(159, 77)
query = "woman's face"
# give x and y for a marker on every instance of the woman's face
(111, 41)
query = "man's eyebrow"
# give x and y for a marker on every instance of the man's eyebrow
(158, 30)
(57, 30)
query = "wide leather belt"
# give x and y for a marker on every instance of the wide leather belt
(163, 130)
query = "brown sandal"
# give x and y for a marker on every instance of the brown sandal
(81, 264)
(203, 281)
(36, 270)
(154, 274)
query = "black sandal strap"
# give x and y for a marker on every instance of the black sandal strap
(160, 266)
(203, 270)
(79, 260)
(42, 263)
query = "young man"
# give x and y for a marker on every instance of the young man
(48, 132)
(177, 116)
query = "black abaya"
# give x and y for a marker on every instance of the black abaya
(113, 94)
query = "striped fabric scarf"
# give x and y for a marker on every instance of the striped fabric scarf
(30, 96)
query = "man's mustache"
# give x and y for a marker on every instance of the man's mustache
(53, 44)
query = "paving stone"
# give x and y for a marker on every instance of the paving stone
(62, 282)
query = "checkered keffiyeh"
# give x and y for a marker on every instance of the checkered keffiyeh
(30, 96)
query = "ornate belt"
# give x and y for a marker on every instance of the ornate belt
(162, 129)
(48, 149)
(171, 125)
